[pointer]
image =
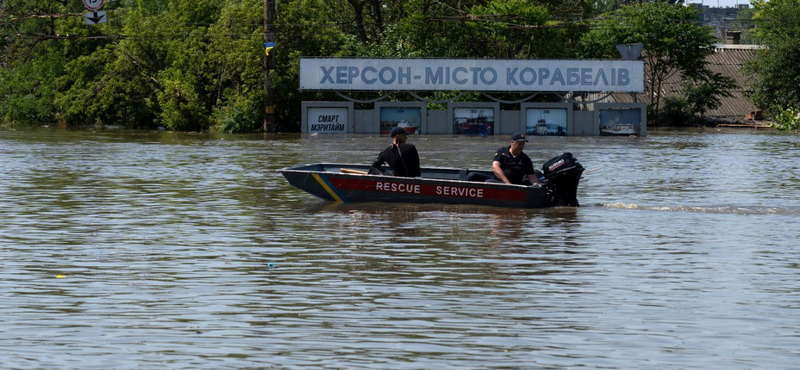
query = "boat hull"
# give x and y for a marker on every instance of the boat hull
(437, 185)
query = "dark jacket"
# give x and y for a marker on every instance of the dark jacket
(515, 168)
(402, 158)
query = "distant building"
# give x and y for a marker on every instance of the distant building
(721, 19)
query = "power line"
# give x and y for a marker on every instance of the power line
(320, 27)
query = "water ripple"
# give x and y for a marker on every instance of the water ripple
(133, 250)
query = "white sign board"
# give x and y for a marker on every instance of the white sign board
(95, 17)
(93, 4)
(327, 120)
(471, 75)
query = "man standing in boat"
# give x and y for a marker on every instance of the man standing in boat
(510, 165)
(402, 158)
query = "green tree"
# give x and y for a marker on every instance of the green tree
(303, 29)
(480, 29)
(185, 65)
(787, 119)
(197, 64)
(514, 29)
(674, 42)
(775, 68)
(35, 43)
(605, 6)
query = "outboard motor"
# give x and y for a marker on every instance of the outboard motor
(562, 175)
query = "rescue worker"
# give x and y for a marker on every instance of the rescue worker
(510, 165)
(401, 157)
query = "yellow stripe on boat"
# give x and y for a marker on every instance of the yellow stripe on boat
(328, 188)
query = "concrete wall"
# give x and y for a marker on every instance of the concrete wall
(364, 121)
(511, 122)
(440, 122)
(437, 122)
(583, 123)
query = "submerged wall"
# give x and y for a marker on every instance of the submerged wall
(477, 118)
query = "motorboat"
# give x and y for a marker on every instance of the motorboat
(354, 183)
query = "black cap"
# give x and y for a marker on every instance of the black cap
(397, 130)
(518, 137)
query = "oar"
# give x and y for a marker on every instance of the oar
(347, 170)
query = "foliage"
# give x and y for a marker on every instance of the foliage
(29, 90)
(698, 96)
(304, 30)
(775, 68)
(29, 65)
(674, 42)
(156, 63)
(240, 115)
(677, 111)
(704, 91)
(479, 29)
(199, 64)
(605, 6)
(504, 32)
(787, 119)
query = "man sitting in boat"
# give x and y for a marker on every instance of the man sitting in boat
(402, 158)
(510, 165)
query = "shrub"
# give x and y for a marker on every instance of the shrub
(787, 119)
(242, 114)
(677, 111)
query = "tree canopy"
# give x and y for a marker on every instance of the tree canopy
(674, 42)
(198, 64)
(776, 71)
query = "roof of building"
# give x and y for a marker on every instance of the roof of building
(728, 60)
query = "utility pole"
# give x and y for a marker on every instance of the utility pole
(269, 63)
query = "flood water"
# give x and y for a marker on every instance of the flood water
(157, 250)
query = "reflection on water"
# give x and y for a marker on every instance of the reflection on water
(141, 250)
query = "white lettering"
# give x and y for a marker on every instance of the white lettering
(398, 187)
(459, 191)
(556, 165)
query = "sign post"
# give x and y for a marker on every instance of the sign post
(95, 15)
(93, 5)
